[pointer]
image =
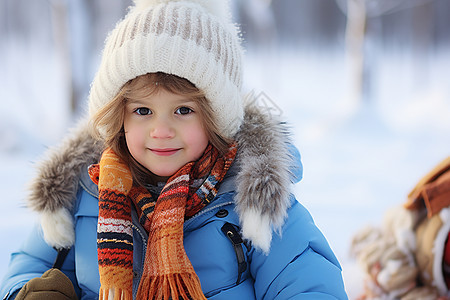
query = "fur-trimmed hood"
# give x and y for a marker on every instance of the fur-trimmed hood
(267, 164)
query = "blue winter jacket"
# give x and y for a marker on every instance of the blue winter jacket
(299, 265)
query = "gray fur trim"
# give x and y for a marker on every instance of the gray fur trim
(58, 173)
(262, 183)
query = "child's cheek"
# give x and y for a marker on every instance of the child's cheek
(135, 136)
(198, 139)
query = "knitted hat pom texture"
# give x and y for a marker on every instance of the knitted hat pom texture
(216, 7)
(192, 39)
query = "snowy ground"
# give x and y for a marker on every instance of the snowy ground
(359, 159)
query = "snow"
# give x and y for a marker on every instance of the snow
(360, 158)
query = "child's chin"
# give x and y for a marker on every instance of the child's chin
(166, 173)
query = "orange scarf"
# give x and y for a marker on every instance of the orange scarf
(168, 273)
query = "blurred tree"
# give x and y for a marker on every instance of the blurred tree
(79, 28)
(355, 34)
(363, 26)
(307, 24)
(73, 31)
(257, 23)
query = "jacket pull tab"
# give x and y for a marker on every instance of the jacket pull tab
(60, 258)
(233, 235)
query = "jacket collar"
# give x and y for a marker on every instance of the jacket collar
(261, 175)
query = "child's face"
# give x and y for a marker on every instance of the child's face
(164, 132)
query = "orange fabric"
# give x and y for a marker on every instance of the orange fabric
(433, 190)
(166, 266)
(114, 243)
(168, 273)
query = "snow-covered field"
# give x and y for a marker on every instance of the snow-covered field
(359, 158)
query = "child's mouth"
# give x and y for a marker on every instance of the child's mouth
(165, 151)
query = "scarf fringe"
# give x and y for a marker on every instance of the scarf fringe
(114, 294)
(169, 286)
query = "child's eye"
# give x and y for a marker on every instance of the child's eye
(143, 111)
(184, 111)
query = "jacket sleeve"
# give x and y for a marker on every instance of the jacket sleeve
(32, 260)
(300, 264)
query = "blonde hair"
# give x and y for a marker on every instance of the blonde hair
(107, 123)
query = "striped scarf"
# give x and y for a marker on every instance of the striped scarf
(167, 273)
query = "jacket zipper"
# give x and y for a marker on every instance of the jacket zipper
(138, 275)
(186, 226)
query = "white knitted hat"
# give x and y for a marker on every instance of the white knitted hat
(192, 39)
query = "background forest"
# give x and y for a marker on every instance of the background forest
(364, 85)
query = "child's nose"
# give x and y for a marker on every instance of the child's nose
(162, 129)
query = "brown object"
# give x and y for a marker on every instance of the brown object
(426, 240)
(422, 293)
(53, 284)
(432, 191)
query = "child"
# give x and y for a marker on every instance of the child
(185, 192)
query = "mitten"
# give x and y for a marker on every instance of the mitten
(53, 284)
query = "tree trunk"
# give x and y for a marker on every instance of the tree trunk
(355, 33)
